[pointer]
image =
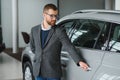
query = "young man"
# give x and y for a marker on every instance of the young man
(46, 42)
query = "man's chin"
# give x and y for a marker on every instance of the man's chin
(52, 24)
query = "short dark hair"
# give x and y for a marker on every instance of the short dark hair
(49, 6)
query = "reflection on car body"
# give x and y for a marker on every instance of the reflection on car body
(96, 35)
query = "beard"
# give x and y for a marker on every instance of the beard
(52, 23)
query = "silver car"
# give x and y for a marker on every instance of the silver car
(95, 33)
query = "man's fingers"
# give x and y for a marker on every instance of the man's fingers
(84, 66)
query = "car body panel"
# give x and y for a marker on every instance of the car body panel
(110, 68)
(93, 58)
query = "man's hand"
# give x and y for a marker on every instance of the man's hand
(83, 65)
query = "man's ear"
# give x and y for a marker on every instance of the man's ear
(43, 14)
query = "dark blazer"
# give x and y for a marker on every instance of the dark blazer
(47, 60)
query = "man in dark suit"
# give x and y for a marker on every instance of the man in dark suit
(46, 42)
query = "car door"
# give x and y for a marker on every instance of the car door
(110, 67)
(84, 35)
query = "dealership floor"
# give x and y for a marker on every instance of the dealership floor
(10, 68)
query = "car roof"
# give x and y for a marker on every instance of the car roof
(102, 15)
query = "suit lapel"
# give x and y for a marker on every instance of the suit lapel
(49, 36)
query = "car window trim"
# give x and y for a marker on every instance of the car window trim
(108, 38)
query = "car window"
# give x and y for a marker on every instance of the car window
(87, 33)
(114, 43)
(68, 26)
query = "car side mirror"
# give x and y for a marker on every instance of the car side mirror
(26, 37)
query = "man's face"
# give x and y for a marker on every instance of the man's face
(50, 16)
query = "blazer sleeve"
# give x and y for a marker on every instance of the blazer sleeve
(32, 44)
(63, 37)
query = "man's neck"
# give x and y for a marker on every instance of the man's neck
(45, 26)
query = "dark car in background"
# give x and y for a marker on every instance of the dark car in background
(96, 34)
(2, 45)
